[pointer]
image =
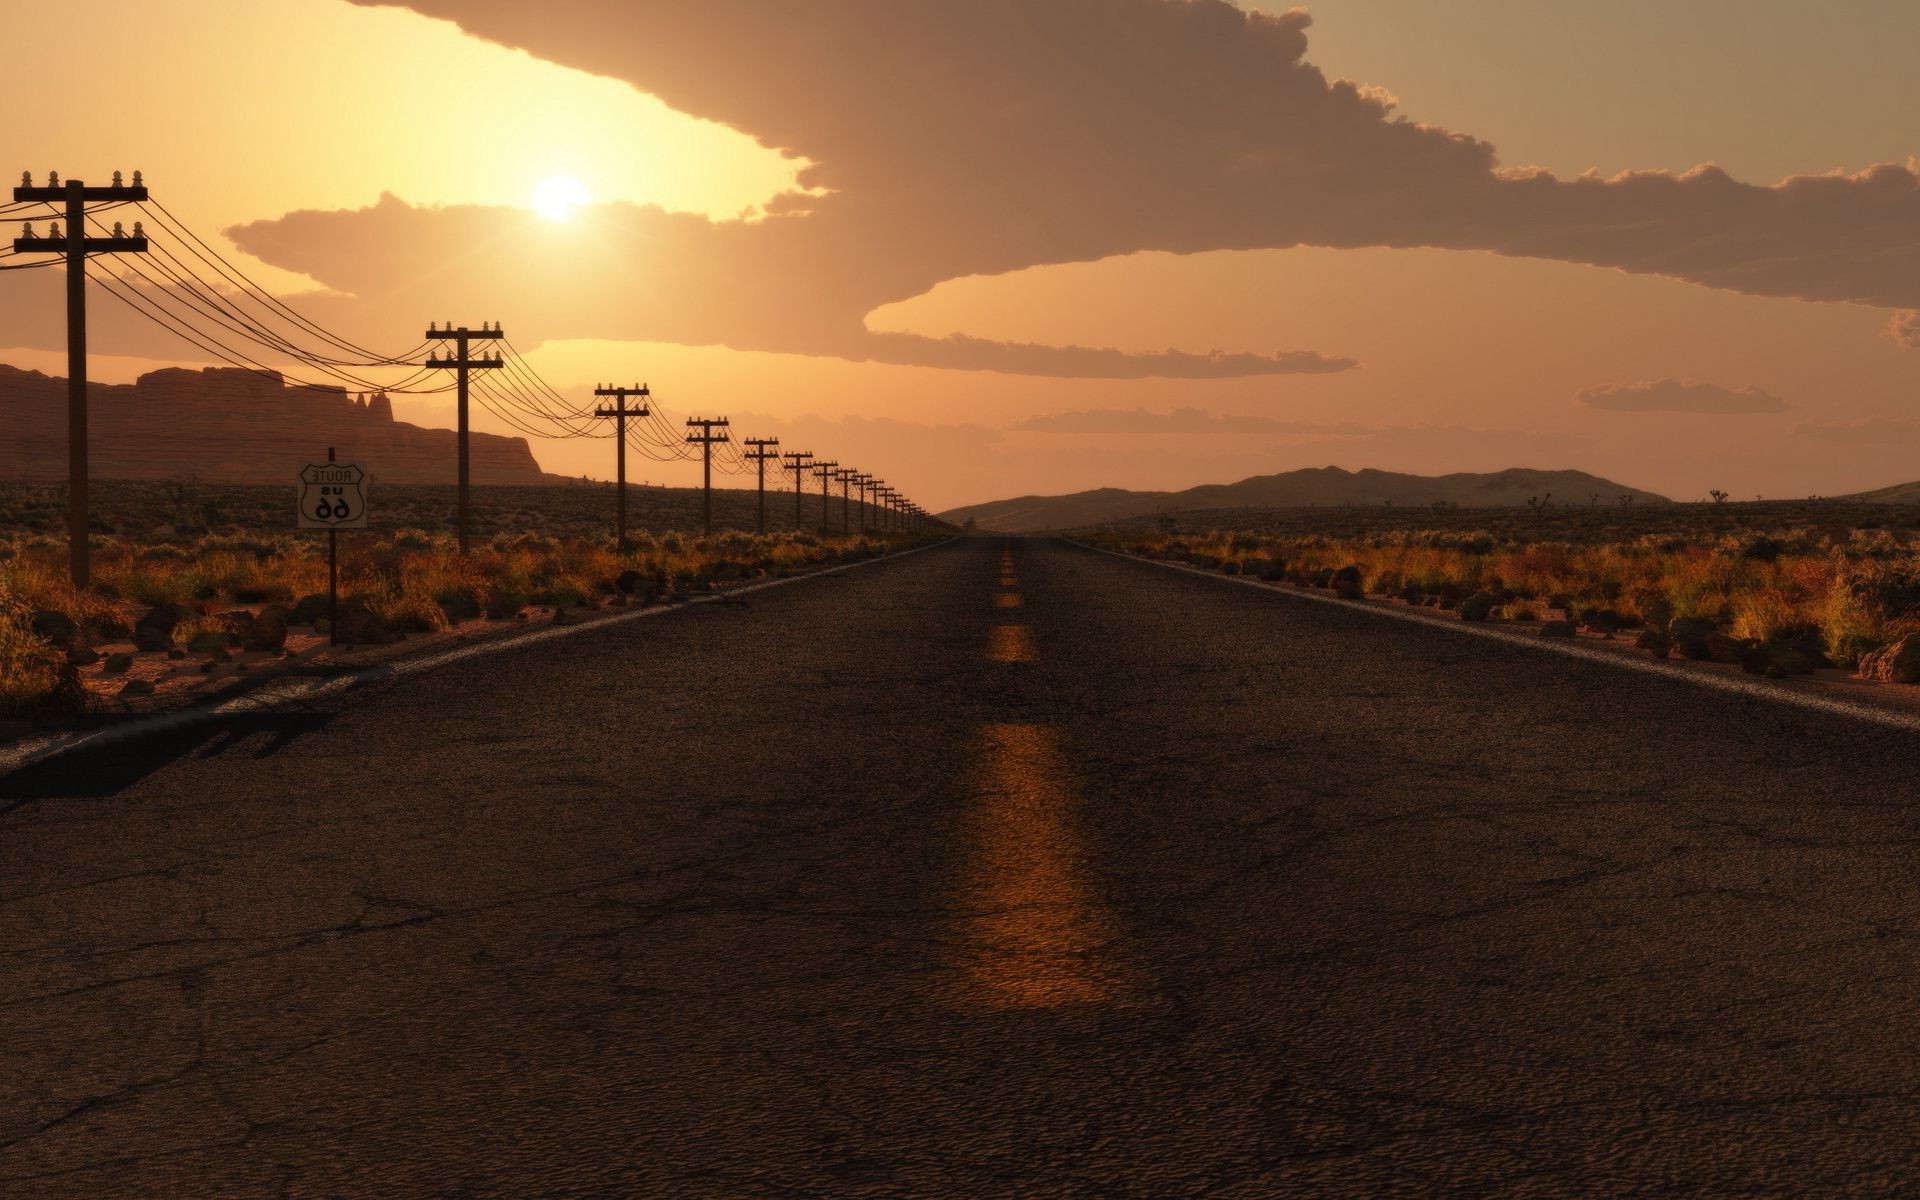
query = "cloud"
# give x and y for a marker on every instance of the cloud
(1679, 396)
(1875, 431)
(1904, 327)
(1179, 420)
(1029, 134)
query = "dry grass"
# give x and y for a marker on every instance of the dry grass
(1854, 588)
(415, 581)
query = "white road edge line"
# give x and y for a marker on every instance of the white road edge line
(33, 750)
(1775, 691)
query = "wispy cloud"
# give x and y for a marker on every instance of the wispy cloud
(1874, 431)
(1679, 396)
(1178, 420)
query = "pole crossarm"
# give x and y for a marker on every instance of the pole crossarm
(619, 411)
(461, 362)
(706, 439)
(76, 245)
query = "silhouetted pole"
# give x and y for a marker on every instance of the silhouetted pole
(620, 412)
(845, 476)
(460, 364)
(76, 245)
(824, 471)
(706, 438)
(860, 482)
(760, 450)
(797, 463)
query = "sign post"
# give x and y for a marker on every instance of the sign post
(333, 497)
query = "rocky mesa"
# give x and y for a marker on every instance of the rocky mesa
(226, 425)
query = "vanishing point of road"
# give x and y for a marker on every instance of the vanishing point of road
(1004, 868)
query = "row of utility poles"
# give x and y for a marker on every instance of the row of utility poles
(891, 510)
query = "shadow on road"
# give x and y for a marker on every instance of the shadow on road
(101, 771)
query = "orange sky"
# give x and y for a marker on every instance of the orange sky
(1468, 358)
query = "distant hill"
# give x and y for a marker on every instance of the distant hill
(1310, 487)
(1899, 493)
(225, 425)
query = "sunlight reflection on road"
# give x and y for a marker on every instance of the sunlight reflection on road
(1034, 934)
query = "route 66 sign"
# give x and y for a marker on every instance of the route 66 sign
(333, 496)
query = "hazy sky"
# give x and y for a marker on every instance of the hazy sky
(1076, 188)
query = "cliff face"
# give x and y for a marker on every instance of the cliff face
(223, 425)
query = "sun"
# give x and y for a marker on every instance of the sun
(558, 195)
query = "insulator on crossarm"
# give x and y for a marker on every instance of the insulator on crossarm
(26, 229)
(53, 179)
(138, 231)
(118, 231)
(432, 328)
(26, 179)
(116, 179)
(53, 231)
(136, 180)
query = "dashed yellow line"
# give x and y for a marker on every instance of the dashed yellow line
(1034, 933)
(1008, 600)
(1012, 644)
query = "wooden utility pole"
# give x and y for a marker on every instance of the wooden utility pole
(620, 412)
(864, 482)
(76, 245)
(461, 363)
(845, 476)
(760, 450)
(707, 438)
(823, 471)
(797, 463)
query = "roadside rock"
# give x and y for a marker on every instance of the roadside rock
(1206, 562)
(117, 664)
(1348, 583)
(1654, 640)
(83, 656)
(1898, 663)
(1600, 620)
(308, 609)
(268, 630)
(152, 640)
(210, 642)
(1478, 607)
(163, 619)
(56, 627)
(137, 687)
(634, 582)
(1557, 629)
(505, 607)
(361, 626)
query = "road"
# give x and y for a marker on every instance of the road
(998, 869)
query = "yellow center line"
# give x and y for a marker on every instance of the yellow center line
(1012, 644)
(1008, 600)
(1034, 933)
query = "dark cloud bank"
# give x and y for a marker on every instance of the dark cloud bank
(954, 139)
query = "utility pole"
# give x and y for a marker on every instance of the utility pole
(823, 471)
(845, 476)
(760, 450)
(706, 438)
(460, 364)
(862, 481)
(76, 245)
(797, 463)
(620, 412)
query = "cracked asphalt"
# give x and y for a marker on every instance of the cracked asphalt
(1000, 869)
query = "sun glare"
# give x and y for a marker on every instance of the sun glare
(557, 197)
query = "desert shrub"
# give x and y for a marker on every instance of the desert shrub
(35, 681)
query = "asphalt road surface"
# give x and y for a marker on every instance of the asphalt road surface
(955, 875)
